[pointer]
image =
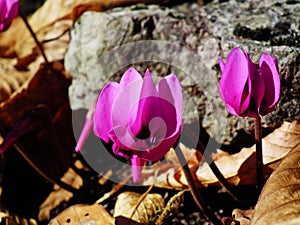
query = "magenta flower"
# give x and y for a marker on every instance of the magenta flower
(248, 89)
(143, 121)
(8, 11)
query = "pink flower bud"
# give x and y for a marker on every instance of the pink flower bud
(248, 89)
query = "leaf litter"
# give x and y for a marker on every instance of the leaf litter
(239, 168)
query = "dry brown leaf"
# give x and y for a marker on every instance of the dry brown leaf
(42, 145)
(84, 214)
(114, 190)
(239, 168)
(127, 201)
(11, 79)
(53, 16)
(12, 219)
(279, 202)
(242, 216)
(9, 37)
(49, 79)
(59, 195)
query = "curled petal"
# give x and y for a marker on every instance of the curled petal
(122, 138)
(103, 110)
(163, 109)
(148, 88)
(8, 11)
(158, 152)
(235, 75)
(124, 102)
(269, 72)
(130, 75)
(118, 151)
(111, 105)
(256, 91)
(169, 88)
(222, 64)
(140, 115)
(231, 110)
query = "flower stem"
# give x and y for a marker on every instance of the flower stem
(259, 155)
(230, 189)
(40, 47)
(194, 191)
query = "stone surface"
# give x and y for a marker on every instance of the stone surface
(189, 39)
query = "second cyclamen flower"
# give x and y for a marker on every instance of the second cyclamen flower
(143, 121)
(248, 89)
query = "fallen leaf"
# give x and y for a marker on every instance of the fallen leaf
(59, 195)
(84, 214)
(49, 79)
(32, 116)
(11, 79)
(12, 219)
(279, 201)
(126, 203)
(9, 37)
(242, 216)
(114, 190)
(238, 169)
(51, 18)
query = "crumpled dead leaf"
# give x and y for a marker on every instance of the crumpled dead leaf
(42, 145)
(48, 79)
(127, 201)
(242, 216)
(84, 214)
(11, 79)
(238, 169)
(53, 20)
(279, 202)
(12, 219)
(58, 195)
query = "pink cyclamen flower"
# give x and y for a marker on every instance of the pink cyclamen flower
(143, 121)
(248, 89)
(8, 11)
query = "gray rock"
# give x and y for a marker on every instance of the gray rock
(187, 40)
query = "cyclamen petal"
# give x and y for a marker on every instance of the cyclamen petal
(257, 89)
(169, 88)
(234, 79)
(130, 76)
(126, 99)
(8, 11)
(144, 108)
(104, 108)
(269, 72)
(249, 90)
